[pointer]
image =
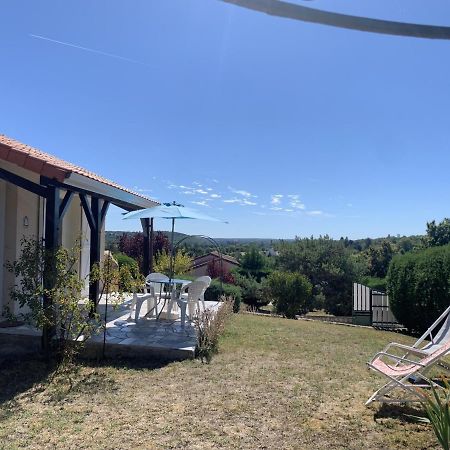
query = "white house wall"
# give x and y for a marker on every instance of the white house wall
(22, 215)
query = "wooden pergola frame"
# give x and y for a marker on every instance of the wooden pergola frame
(95, 207)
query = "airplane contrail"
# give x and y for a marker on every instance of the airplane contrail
(79, 47)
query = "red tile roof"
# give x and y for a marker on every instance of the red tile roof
(50, 166)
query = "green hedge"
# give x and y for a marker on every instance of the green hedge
(125, 260)
(217, 289)
(419, 286)
(379, 284)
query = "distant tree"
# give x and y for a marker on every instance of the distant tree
(255, 264)
(132, 244)
(290, 293)
(437, 234)
(379, 259)
(160, 243)
(182, 263)
(217, 271)
(330, 267)
(253, 260)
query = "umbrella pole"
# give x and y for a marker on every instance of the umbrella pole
(172, 256)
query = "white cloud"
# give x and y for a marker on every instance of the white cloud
(275, 199)
(240, 201)
(200, 203)
(138, 189)
(315, 213)
(276, 208)
(216, 196)
(242, 192)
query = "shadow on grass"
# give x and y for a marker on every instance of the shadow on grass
(19, 374)
(401, 412)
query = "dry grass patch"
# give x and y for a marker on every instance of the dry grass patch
(275, 384)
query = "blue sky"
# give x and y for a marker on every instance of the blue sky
(280, 127)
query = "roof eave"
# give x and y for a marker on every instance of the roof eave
(81, 182)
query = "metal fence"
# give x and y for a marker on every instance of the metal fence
(371, 307)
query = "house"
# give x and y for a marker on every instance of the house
(200, 264)
(45, 197)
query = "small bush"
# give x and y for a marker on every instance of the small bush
(128, 272)
(419, 286)
(291, 293)
(379, 284)
(210, 325)
(252, 292)
(218, 289)
(125, 260)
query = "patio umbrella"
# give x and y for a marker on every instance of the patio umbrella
(172, 211)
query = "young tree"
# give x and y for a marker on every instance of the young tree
(182, 263)
(379, 259)
(291, 293)
(330, 267)
(132, 244)
(64, 313)
(437, 234)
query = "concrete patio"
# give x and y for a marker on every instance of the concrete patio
(149, 337)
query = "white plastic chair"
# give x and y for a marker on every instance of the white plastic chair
(207, 280)
(138, 300)
(195, 295)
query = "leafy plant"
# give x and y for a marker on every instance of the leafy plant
(210, 325)
(253, 293)
(217, 290)
(49, 289)
(182, 263)
(329, 265)
(291, 293)
(438, 411)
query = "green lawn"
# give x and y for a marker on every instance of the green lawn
(276, 384)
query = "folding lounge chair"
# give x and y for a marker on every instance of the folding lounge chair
(405, 373)
(441, 337)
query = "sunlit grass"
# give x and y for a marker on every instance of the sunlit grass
(274, 384)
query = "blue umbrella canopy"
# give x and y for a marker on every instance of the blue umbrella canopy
(169, 211)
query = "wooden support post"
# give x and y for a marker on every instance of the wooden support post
(151, 246)
(52, 242)
(95, 247)
(146, 230)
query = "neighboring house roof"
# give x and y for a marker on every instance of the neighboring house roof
(50, 166)
(212, 256)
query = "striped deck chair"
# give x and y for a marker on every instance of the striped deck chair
(441, 337)
(405, 373)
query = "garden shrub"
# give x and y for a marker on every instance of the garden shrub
(125, 260)
(210, 325)
(379, 284)
(419, 286)
(291, 293)
(252, 292)
(217, 289)
(128, 272)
